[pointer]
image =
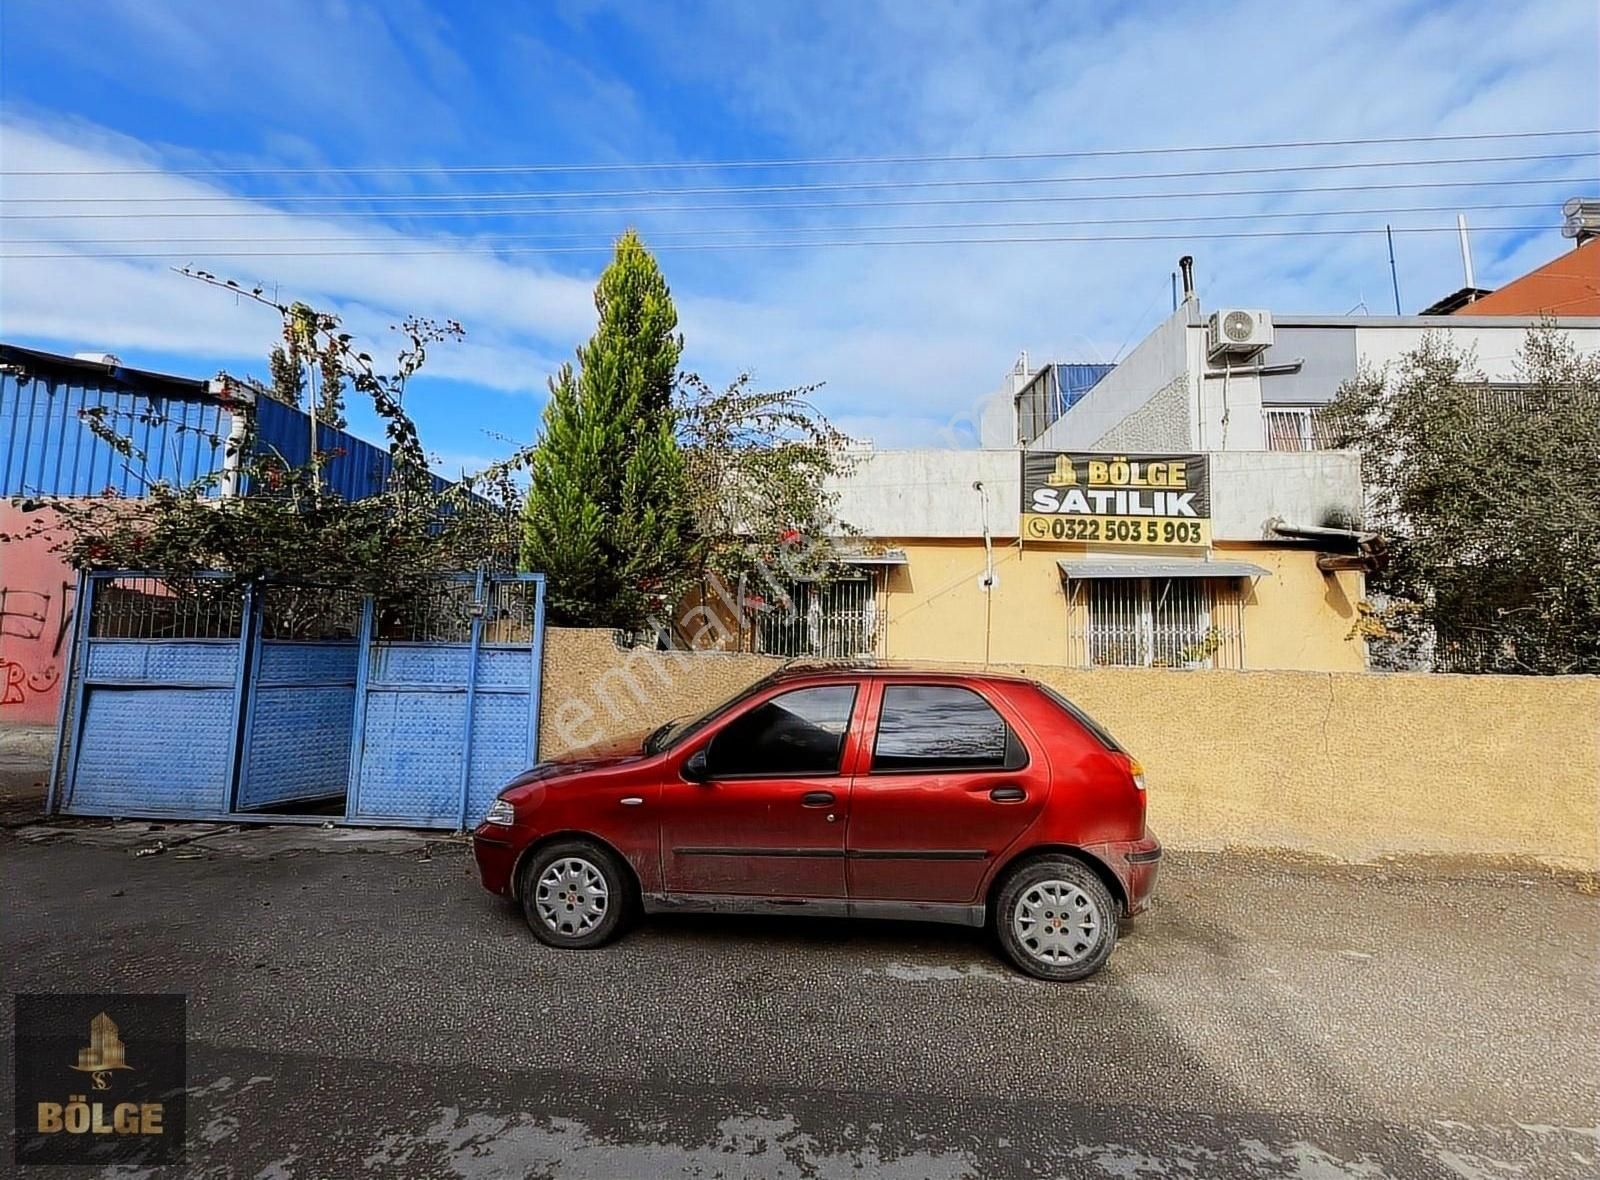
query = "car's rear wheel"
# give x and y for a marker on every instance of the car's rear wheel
(576, 894)
(1056, 919)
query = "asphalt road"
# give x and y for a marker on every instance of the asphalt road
(369, 1014)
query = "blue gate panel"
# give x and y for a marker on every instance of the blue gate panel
(445, 665)
(506, 667)
(412, 745)
(302, 711)
(186, 661)
(154, 751)
(499, 747)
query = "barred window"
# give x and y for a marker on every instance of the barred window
(1156, 623)
(1297, 428)
(835, 620)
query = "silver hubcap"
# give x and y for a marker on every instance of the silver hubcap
(1057, 922)
(572, 896)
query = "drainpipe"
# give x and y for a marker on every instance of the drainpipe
(988, 570)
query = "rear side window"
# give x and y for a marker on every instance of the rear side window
(937, 727)
(795, 733)
(1101, 733)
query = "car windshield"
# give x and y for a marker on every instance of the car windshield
(664, 737)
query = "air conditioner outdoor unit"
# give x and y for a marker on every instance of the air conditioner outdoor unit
(1234, 332)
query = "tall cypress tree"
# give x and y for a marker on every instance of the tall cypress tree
(606, 519)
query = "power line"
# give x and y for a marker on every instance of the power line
(803, 187)
(607, 246)
(921, 202)
(831, 228)
(817, 162)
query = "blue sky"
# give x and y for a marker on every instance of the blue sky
(906, 338)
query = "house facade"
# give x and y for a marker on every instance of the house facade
(952, 564)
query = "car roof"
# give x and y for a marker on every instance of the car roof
(832, 669)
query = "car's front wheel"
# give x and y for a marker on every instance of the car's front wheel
(576, 894)
(1056, 919)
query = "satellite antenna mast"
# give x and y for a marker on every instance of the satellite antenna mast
(1466, 249)
(1394, 275)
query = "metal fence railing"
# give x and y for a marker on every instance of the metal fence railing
(173, 607)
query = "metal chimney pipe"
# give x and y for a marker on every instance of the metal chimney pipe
(1186, 265)
(1466, 249)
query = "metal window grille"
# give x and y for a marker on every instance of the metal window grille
(509, 614)
(1156, 623)
(836, 620)
(167, 608)
(436, 612)
(1298, 428)
(303, 613)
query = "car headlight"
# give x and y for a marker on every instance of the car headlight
(500, 812)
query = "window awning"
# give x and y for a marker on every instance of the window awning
(885, 560)
(887, 557)
(1160, 567)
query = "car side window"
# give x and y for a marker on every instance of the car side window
(937, 727)
(796, 733)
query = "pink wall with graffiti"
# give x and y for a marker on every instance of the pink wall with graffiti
(37, 594)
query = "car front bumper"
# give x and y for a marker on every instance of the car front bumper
(495, 849)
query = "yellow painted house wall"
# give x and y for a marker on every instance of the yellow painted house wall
(1299, 619)
(1296, 618)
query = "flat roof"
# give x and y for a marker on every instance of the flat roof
(1430, 321)
(35, 359)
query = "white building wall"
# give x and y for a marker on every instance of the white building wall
(1158, 360)
(1125, 411)
(931, 493)
(1495, 342)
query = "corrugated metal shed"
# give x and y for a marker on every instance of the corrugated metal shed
(46, 448)
(177, 426)
(351, 467)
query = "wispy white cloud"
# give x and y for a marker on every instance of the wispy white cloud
(905, 338)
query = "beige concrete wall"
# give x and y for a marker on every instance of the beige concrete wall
(1345, 765)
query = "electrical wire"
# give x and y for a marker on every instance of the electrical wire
(801, 187)
(607, 246)
(818, 162)
(924, 202)
(831, 228)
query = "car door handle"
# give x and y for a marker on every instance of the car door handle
(817, 799)
(1008, 794)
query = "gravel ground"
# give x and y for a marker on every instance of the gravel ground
(375, 1013)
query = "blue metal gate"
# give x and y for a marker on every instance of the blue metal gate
(300, 699)
(447, 700)
(212, 700)
(154, 711)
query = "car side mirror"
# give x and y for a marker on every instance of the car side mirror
(695, 768)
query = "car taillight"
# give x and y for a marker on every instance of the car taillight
(1136, 769)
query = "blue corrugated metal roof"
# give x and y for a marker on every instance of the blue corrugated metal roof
(1076, 380)
(177, 427)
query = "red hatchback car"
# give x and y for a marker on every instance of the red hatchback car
(945, 797)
